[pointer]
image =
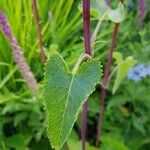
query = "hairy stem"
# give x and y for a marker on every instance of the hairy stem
(86, 26)
(81, 59)
(37, 20)
(105, 83)
(88, 50)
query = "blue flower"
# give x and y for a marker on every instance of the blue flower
(138, 72)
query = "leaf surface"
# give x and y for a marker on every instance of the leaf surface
(64, 94)
(112, 142)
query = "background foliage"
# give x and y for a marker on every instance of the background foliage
(126, 119)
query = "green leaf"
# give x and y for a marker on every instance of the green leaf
(138, 124)
(77, 145)
(64, 94)
(123, 67)
(117, 101)
(116, 15)
(100, 10)
(118, 57)
(112, 143)
(18, 141)
(19, 118)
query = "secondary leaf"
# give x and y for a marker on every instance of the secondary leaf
(123, 67)
(138, 124)
(116, 15)
(117, 101)
(64, 94)
(111, 142)
(77, 145)
(100, 10)
(118, 57)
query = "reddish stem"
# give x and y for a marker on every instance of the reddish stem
(105, 83)
(108, 2)
(37, 20)
(88, 50)
(86, 26)
(84, 125)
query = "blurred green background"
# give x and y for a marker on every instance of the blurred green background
(126, 123)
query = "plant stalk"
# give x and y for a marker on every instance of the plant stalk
(88, 50)
(105, 83)
(93, 38)
(37, 21)
(84, 125)
(86, 26)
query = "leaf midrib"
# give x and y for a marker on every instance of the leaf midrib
(73, 75)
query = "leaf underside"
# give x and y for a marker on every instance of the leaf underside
(64, 94)
(100, 9)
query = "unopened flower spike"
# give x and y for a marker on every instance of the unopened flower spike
(18, 54)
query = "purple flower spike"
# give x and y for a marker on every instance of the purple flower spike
(7, 31)
(142, 6)
(18, 54)
(142, 9)
(3, 19)
(2, 16)
(5, 27)
(108, 2)
(3, 22)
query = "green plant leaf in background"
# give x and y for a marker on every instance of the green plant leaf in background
(123, 67)
(76, 145)
(64, 94)
(117, 101)
(110, 142)
(18, 141)
(138, 124)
